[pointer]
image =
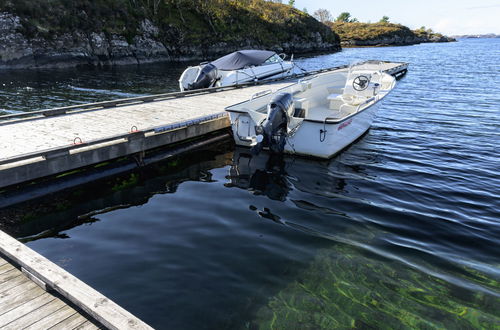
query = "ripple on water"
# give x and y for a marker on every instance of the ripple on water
(401, 230)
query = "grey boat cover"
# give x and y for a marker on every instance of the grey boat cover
(242, 58)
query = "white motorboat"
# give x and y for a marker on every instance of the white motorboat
(240, 67)
(318, 116)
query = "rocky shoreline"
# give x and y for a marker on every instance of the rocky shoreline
(394, 41)
(101, 49)
(20, 49)
(357, 34)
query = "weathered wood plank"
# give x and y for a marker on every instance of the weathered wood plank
(71, 322)
(95, 304)
(52, 319)
(5, 268)
(25, 309)
(23, 303)
(35, 315)
(86, 326)
(9, 275)
(18, 296)
(5, 286)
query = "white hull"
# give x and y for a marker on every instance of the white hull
(324, 130)
(307, 140)
(338, 136)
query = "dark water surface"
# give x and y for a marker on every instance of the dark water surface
(402, 230)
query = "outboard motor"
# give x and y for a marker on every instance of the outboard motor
(206, 78)
(273, 131)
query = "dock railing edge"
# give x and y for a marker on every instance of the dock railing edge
(133, 134)
(101, 308)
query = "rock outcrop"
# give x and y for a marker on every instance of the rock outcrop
(28, 42)
(395, 40)
(354, 34)
(76, 48)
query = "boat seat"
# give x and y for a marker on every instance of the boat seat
(301, 107)
(354, 99)
(337, 100)
(334, 101)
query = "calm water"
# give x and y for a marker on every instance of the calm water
(401, 230)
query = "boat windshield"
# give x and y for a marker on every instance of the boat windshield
(273, 59)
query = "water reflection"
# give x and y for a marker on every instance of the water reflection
(54, 215)
(276, 175)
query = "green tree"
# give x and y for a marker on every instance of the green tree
(305, 10)
(291, 2)
(384, 19)
(345, 17)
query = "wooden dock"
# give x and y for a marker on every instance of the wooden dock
(37, 294)
(44, 143)
(25, 305)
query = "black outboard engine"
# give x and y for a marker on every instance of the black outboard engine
(206, 78)
(274, 128)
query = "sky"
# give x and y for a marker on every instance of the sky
(450, 17)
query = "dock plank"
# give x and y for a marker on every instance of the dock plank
(19, 296)
(16, 281)
(35, 315)
(86, 326)
(5, 268)
(71, 322)
(99, 307)
(52, 319)
(26, 305)
(25, 309)
(8, 275)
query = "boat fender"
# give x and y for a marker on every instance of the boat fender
(206, 78)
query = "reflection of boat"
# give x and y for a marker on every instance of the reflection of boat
(275, 175)
(315, 117)
(262, 174)
(236, 68)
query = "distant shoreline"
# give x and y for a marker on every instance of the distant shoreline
(477, 36)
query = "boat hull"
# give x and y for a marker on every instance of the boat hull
(329, 112)
(313, 138)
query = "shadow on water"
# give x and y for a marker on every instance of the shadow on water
(35, 218)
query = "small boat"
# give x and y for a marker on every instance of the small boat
(240, 67)
(317, 116)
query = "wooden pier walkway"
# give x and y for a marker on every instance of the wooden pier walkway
(35, 147)
(37, 294)
(43, 143)
(25, 305)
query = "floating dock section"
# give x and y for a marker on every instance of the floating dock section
(38, 144)
(37, 294)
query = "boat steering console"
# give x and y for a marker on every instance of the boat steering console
(360, 83)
